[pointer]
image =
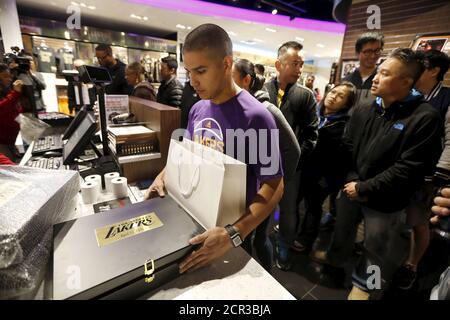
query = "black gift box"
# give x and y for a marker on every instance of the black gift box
(122, 253)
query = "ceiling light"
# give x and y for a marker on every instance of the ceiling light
(248, 42)
(271, 30)
(189, 27)
(257, 40)
(145, 18)
(299, 39)
(92, 7)
(320, 45)
(146, 43)
(133, 15)
(180, 26)
(83, 5)
(122, 33)
(74, 3)
(274, 11)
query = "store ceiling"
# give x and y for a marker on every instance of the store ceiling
(310, 9)
(247, 35)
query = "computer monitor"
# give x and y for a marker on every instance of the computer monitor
(95, 75)
(75, 123)
(79, 139)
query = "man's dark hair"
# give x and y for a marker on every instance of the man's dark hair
(3, 67)
(260, 68)
(367, 38)
(288, 45)
(436, 59)
(209, 37)
(411, 60)
(171, 62)
(104, 47)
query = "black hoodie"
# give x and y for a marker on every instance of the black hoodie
(391, 150)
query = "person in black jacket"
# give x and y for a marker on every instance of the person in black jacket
(188, 99)
(324, 171)
(436, 65)
(116, 68)
(368, 48)
(171, 90)
(298, 105)
(391, 147)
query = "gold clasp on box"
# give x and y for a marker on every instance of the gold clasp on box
(149, 276)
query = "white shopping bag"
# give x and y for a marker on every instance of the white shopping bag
(208, 184)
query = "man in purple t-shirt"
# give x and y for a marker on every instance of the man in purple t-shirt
(232, 121)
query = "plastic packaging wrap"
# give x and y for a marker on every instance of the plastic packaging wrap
(22, 280)
(31, 201)
(31, 128)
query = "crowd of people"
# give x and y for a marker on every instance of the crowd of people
(375, 148)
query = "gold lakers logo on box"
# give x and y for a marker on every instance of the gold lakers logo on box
(127, 228)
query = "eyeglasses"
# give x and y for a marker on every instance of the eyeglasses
(369, 52)
(102, 58)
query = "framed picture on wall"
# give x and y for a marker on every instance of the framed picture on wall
(348, 67)
(426, 42)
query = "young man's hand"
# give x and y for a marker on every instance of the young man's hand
(156, 189)
(215, 243)
(352, 194)
(442, 205)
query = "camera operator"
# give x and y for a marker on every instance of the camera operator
(9, 110)
(24, 69)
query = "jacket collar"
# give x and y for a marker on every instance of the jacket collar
(434, 92)
(412, 98)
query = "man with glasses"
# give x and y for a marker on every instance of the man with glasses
(116, 68)
(368, 47)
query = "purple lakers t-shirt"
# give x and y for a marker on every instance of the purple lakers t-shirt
(243, 129)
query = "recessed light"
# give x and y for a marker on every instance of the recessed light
(180, 26)
(83, 5)
(133, 15)
(122, 33)
(320, 45)
(75, 3)
(299, 39)
(92, 7)
(274, 11)
(271, 30)
(145, 18)
(189, 28)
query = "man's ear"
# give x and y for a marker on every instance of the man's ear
(228, 63)
(435, 71)
(278, 65)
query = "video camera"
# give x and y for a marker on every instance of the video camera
(20, 58)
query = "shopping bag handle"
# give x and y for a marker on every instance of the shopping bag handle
(195, 179)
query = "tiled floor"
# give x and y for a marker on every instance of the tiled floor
(308, 280)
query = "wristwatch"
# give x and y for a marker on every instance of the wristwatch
(235, 237)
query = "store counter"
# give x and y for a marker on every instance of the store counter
(235, 276)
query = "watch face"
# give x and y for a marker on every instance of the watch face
(237, 241)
